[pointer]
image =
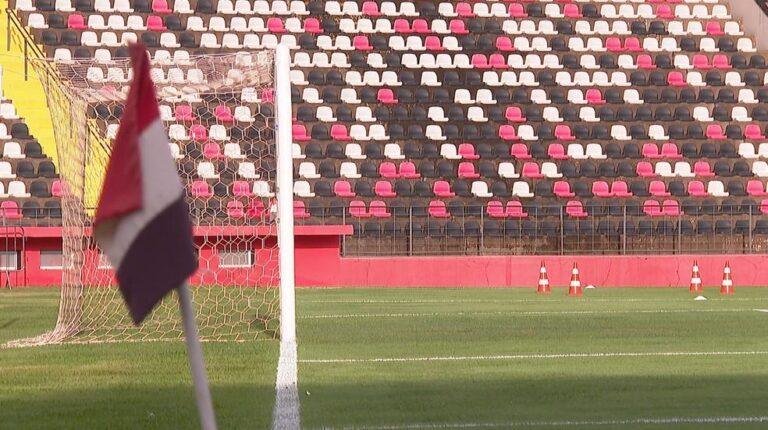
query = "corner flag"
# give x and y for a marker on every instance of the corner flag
(142, 220)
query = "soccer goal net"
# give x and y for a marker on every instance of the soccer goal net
(228, 120)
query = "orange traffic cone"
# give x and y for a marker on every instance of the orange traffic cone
(543, 287)
(696, 279)
(574, 289)
(726, 288)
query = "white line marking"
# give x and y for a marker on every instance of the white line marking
(532, 356)
(761, 310)
(544, 300)
(568, 423)
(286, 414)
(525, 313)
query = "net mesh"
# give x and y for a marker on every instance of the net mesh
(219, 113)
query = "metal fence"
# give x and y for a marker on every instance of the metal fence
(550, 230)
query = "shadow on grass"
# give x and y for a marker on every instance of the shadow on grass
(126, 407)
(480, 398)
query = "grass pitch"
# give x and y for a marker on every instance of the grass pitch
(421, 359)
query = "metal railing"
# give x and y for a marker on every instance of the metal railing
(550, 230)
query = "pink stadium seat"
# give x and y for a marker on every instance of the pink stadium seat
(361, 43)
(300, 210)
(669, 150)
(184, 113)
(343, 189)
(652, 208)
(378, 209)
(650, 150)
(644, 61)
(161, 6)
(720, 61)
(563, 132)
(763, 206)
(10, 210)
(595, 97)
(714, 28)
(495, 209)
(384, 189)
(572, 11)
(457, 27)
(531, 170)
(600, 189)
(155, 23)
(575, 209)
(467, 170)
(676, 79)
(515, 209)
(504, 44)
(402, 26)
(223, 113)
(198, 132)
(358, 210)
(212, 150)
(703, 169)
(275, 25)
(421, 26)
(756, 188)
(613, 44)
(620, 189)
(408, 170)
(714, 131)
(644, 169)
(508, 132)
(437, 209)
(371, 8)
(386, 96)
(201, 189)
(464, 10)
(556, 151)
(663, 11)
(235, 209)
(268, 95)
(514, 114)
(498, 61)
(241, 189)
(433, 43)
(57, 190)
(467, 151)
(479, 61)
(388, 170)
(658, 189)
(442, 189)
(312, 25)
(517, 10)
(300, 133)
(752, 131)
(76, 21)
(256, 209)
(562, 189)
(520, 151)
(671, 208)
(697, 189)
(632, 44)
(339, 132)
(701, 61)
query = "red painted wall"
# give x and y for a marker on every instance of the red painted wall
(319, 264)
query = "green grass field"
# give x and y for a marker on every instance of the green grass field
(422, 358)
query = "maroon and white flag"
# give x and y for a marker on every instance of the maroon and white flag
(142, 221)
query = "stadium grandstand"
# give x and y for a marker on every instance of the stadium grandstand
(444, 128)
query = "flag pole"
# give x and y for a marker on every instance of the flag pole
(196, 363)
